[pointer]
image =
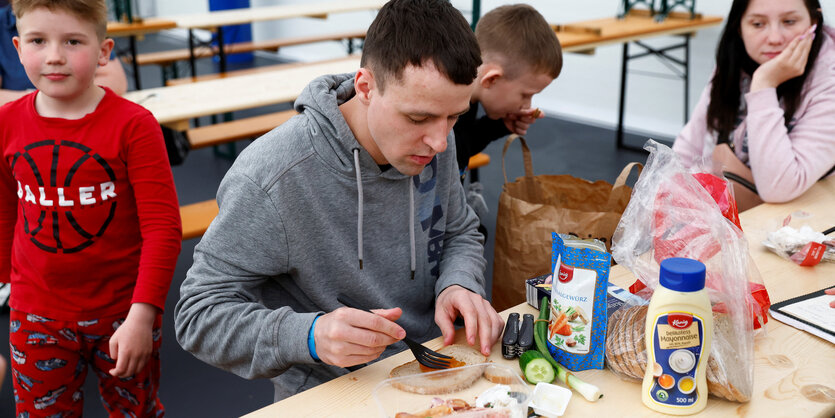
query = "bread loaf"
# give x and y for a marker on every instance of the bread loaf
(626, 353)
(443, 381)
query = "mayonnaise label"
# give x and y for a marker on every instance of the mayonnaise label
(678, 338)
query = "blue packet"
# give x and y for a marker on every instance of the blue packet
(577, 328)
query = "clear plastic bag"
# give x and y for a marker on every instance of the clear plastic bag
(804, 246)
(676, 213)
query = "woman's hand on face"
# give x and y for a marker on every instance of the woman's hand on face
(789, 64)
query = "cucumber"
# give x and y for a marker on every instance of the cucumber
(540, 330)
(539, 336)
(527, 356)
(536, 368)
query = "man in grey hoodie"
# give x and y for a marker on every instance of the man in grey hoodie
(358, 195)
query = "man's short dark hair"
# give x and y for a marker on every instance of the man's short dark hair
(416, 31)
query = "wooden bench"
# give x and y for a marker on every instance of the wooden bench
(198, 216)
(233, 73)
(222, 133)
(169, 57)
(479, 160)
(246, 71)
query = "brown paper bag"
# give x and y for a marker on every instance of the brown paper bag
(532, 207)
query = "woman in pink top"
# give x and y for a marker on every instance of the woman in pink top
(771, 99)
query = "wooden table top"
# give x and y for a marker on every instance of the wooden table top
(793, 372)
(115, 29)
(317, 9)
(587, 35)
(174, 105)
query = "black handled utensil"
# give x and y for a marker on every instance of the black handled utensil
(423, 355)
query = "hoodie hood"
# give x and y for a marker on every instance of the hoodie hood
(826, 56)
(333, 139)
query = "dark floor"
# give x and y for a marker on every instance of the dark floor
(190, 388)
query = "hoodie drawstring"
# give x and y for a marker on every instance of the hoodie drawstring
(411, 225)
(412, 256)
(359, 204)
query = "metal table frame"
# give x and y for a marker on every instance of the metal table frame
(681, 68)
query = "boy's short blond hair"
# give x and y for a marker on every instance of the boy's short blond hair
(93, 11)
(517, 34)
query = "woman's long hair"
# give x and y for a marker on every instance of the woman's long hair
(732, 60)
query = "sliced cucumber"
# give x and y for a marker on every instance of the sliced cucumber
(536, 368)
(527, 356)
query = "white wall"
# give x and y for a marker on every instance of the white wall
(588, 88)
(303, 26)
(180, 7)
(145, 8)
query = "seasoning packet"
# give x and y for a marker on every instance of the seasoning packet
(577, 328)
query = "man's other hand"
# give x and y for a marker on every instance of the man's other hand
(480, 319)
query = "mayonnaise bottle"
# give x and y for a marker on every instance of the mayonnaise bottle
(679, 332)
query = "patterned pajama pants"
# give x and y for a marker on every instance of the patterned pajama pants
(49, 365)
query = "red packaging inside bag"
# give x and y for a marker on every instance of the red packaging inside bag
(675, 234)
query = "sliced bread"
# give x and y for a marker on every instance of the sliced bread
(443, 381)
(735, 373)
(726, 375)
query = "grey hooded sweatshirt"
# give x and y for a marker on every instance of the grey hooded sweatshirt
(306, 215)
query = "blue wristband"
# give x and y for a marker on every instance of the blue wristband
(311, 342)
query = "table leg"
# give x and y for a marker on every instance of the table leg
(128, 8)
(193, 63)
(137, 84)
(622, 105)
(191, 58)
(220, 49)
(686, 76)
(476, 13)
(628, 5)
(681, 68)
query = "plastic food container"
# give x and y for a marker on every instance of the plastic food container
(550, 400)
(391, 400)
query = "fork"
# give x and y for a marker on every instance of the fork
(423, 355)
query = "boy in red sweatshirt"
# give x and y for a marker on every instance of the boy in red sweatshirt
(89, 222)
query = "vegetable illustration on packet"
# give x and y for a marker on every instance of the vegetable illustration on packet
(581, 275)
(572, 324)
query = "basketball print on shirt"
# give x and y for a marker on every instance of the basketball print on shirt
(67, 194)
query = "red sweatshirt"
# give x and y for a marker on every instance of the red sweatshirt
(89, 219)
